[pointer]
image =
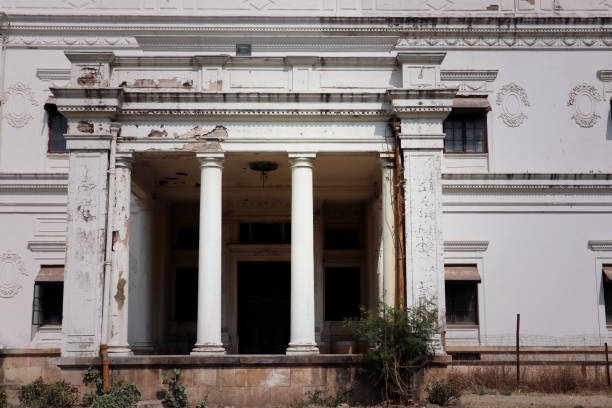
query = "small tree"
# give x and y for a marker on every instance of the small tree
(401, 343)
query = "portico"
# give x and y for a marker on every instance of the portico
(182, 173)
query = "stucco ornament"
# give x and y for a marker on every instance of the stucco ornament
(583, 99)
(11, 270)
(512, 99)
(18, 100)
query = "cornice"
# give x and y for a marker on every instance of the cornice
(344, 113)
(466, 246)
(33, 176)
(600, 245)
(208, 34)
(528, 176)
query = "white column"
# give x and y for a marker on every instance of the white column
(388, 231)
(120, 271)
(209, 263)
(302, 338)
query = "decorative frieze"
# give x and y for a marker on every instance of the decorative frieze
(583, 100)
(512, 99)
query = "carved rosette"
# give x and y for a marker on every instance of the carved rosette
(18, 100)
(583, 100)
(512, 99)
(11, 270)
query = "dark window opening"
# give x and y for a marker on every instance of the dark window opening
(58, 126)
(188, 238)
(461, 302)
(466, 131)
(186, 295)
(342, 290)
(342, 238)
(243, 50)
(608, 300)
(48, 303)
(265, 232)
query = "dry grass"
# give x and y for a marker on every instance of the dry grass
(545, 379)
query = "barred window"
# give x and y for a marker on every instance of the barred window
(466, 131)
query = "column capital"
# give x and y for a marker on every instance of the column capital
(115, 128)
(211, 159)
(302, 159)
(124, 160)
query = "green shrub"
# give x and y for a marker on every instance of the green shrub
(119, 395)
(317, 398)
(174, 396)
(401, 341)
(39, 394)
(203, 403)
(3, 399)
(442, 392)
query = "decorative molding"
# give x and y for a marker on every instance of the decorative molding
(466, 246)
(600, 245)
(488, 75)
(512, 99)
(526, 188)
(33, 188)
(17, 100)
(47, 246)
(605, 75)
(49, 74)
(11, 269)
(583, 99)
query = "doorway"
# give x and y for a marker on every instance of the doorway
(264, 291)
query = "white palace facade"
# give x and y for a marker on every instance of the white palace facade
(205, 177)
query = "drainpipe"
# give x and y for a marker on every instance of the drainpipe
(5, 34)
(398, 185)
(108, 254)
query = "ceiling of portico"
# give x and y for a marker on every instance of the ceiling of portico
(170, 174)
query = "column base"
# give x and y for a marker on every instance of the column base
(208, 350)
(119, 350)
(302, 349)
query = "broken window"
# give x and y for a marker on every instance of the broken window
(607, 287)
(342, 290)
(466, 131)
(461, 294)
(48, 296)
(58, 126)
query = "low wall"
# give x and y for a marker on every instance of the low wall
(240, 381)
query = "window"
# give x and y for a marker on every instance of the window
(607, 286)
(48, 296)
(342, 290)
(58, 126)
(265, 232)
(466, 131)
(461, 294)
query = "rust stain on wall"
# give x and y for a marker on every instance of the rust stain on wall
(214, 86)
(90, 76)
(120, 295)
(493, 7)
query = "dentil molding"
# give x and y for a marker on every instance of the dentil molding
(600, 245)
(583, 100)
(12, 269)
(466, 246)
(512, 99)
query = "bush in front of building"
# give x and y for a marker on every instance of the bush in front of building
(39, 394)
(119, 394)
(175, 395)
(442, 392)
(401, 343)
(3, 399)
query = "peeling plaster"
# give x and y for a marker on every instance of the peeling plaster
(85, 127)
(120, 295)
(219, 133)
